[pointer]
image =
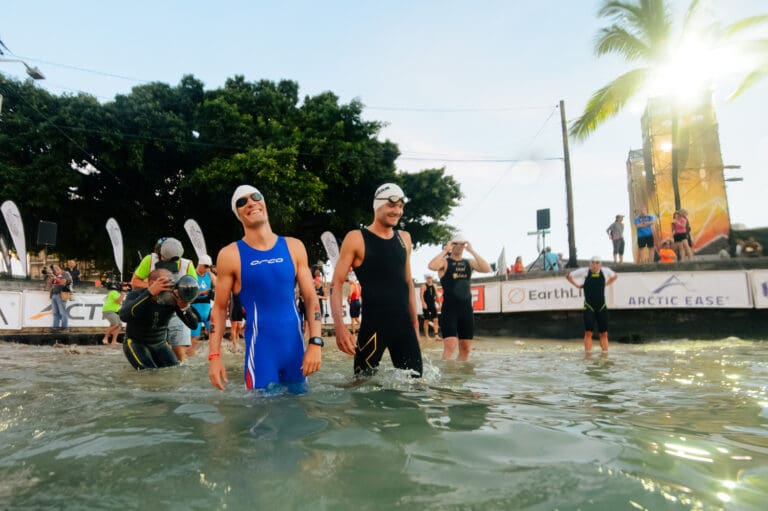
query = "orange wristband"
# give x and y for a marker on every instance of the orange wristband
(213, 355)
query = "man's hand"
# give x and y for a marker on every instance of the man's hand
(160, 284)
(312, 357)
(217, 373)
(181, 304)
(344, 340)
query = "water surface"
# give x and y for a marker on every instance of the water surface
(524, 425)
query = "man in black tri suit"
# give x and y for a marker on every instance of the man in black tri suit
(457, 317)
(380, 256)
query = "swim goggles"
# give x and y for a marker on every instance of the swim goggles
(394, 199)
(242, 201)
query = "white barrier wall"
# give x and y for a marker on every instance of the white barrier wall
(84, 310)
(10, 311)
(759, 281)
(662, 290)
(652, 290)
(683, 290)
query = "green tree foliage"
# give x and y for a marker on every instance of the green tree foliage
(162, 154)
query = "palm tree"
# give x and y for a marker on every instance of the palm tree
(643, 32)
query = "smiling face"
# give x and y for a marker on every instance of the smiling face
(253, 213)
(389, 214)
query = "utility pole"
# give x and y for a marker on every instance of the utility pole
(568, 189)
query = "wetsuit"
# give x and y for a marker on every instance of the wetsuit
(457, 317)
(146, 332)
(595, 309)
(274, 345)
(430, 299)
(387, 322)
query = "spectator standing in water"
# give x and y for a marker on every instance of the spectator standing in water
(110, 312)
(429, 307)
(206, 279)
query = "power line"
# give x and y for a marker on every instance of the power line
(504, 174)
(84, 69)
(456, 110)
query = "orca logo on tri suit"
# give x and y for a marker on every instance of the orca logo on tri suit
(275, 260)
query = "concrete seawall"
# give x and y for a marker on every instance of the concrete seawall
(636, 325)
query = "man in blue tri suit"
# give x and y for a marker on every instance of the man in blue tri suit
(380, 257)
(263, 269)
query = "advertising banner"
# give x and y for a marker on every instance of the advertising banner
(195, 234)
(526, 295)
(10, 311)
(662, 290)
(16, 227)
(485, 297)
(116, 238)
(84, 310)
(759, 279)
(683, 290)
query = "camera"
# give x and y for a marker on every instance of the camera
(186, 287)
(116, 285)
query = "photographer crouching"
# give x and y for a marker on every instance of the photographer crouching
(147, 313)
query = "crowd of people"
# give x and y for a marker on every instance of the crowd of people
(263, 285)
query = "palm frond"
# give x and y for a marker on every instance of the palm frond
(744, 24)
(648, 21)
(619, 10)
(691, 15)
(749, 81)
(616, 39)
(608, 101)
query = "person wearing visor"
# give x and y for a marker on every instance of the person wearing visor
(457, 318)
(593, 281)
(168, 255)
(262, 269)
(380, 255)
(147, 311)
(206, 279)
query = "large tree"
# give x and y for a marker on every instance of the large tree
(162, 154)
(667, 53)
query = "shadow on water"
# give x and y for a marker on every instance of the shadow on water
(524, 425)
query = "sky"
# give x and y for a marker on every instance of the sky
(471, 86)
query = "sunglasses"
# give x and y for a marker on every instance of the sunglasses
(242, 201)
(394, 199)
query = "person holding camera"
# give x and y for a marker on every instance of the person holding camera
(147, 312)
(457, 318)
(167, 255)
(60, 281)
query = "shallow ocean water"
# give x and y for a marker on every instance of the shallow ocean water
(526, 424)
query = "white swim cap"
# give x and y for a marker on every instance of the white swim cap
(387, 191)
